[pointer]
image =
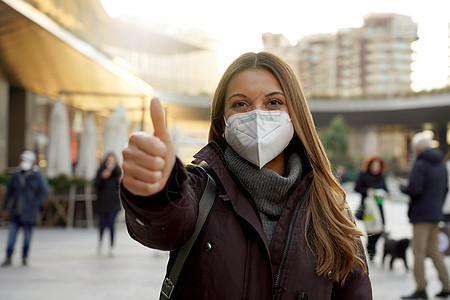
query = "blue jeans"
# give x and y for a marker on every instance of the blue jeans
(13, 229)
(107, 221)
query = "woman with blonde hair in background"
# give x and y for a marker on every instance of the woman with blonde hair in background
(280, 226)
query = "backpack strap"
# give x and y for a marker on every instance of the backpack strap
(205, 204)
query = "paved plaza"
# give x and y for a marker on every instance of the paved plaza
(64, 264)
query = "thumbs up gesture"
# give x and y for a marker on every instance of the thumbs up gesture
(148, 159)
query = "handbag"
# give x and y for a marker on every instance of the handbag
(359, 214)
(205, 204)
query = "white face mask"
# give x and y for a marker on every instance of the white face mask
(26, 165)
(259, 136)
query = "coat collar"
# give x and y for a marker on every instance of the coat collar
(212, 154)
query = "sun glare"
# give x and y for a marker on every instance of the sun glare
(238, 25)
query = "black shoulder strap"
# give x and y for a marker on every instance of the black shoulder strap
(205, 204)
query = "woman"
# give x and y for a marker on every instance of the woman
(369, 182)
(279, 227)
(108, 203)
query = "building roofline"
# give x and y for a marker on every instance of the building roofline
(379, 104)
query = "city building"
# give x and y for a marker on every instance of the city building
(386, 54)
(364, 74)
(348, 63)
(276, 43)
(75, 52)
(317, 64)
(374, 60)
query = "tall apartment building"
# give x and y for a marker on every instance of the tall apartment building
(348, 63)
(280, 45)
(386, 54)
(316, 67)
(374, 60)
(309, 58)
(276, 43)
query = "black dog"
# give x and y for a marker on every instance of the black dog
(396, 249)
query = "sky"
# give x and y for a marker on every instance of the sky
(239, 24)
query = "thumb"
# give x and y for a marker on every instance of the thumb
(158, 118)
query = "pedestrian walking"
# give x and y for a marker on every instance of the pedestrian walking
(25, 193)
(107, 204)
(427, 188)
(369, 184)
(280, 226)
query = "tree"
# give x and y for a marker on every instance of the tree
(335, 139)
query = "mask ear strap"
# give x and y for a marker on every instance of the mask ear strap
(225, 120)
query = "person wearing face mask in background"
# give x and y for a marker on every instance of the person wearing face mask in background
(280, 226)
(25, 193)
(107, 204)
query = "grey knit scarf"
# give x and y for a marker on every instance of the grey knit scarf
(268, 189)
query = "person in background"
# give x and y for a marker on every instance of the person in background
(107, 204)
(427, 188)
(371, 179)
(280, 226)
(25, 193)
(446, 207)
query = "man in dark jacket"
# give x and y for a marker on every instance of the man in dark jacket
(27, 189)
(427, 189)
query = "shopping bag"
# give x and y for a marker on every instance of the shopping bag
(379, 195)
(372, 216)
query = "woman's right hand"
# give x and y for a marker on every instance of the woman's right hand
(148, 159)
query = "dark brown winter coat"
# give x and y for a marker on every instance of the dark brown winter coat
(231, 258)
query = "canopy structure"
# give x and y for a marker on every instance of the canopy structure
(41, 56)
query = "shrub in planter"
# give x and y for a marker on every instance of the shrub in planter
(60, 183)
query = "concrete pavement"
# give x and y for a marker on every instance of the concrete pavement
(64, 264)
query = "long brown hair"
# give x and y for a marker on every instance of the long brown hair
(329, 231)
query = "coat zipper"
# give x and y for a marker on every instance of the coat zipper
(288, 241)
